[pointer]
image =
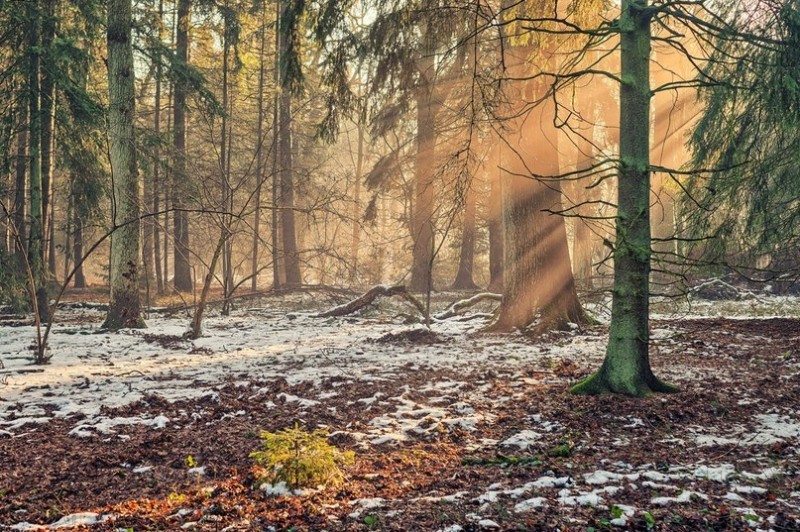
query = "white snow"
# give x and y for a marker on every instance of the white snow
(524, 439)
(530, 504)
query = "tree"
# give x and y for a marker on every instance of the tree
(747, 138)
(36, 232)
(289, 84)
(183, 275)
(626, 368)
(537, 275)
(124, 307)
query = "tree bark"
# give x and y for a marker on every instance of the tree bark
(36, 235)
(495, 222)
(77, 249)
(355, 240)
(260, 162)
(291, 257)
(21, 182)
(48, 103)
(152, 226)
(538, 276)
(626, 368)
(124, 307)
(422, 216)
(183, 275)
(466, 258)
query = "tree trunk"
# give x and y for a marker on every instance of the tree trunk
(584, 239)
(495, 222)
(626, 368)
(183, 275)
(422, 217)
(227, 190)
(20, 182)
(466, 259)
(355, 240)
(77, 249)
(260, 162)
(36, 235)
(48, 103)
(286, 172)
(124, 307)
(153, 222)
(538, 276)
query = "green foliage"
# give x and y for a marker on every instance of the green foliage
(649, 520)
(190, 461)
(301, 458)
(747, 140)
(371, 521)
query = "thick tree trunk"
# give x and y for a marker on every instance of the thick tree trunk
(124, 307)
(538, 276)
(466, 259)
(626, 368)
(291, 257)
(183, 275)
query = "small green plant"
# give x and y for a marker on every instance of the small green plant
(649, 520)
(561, 451)
(190, 461)
(371, 521)
(301, 459)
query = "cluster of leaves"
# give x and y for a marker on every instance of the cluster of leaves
(301, 459)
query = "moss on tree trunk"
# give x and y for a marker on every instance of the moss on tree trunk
(626, 368)
(124, 307)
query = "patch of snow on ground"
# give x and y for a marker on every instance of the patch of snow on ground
(524, 439)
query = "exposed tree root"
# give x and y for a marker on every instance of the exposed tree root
(371, 295)
(602, 382)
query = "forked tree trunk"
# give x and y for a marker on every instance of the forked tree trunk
(124, 307)
(626, 368)
(183, 275)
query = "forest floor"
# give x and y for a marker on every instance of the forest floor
(451, 430)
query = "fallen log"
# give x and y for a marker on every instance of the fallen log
(371, 295)
(463, 304)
